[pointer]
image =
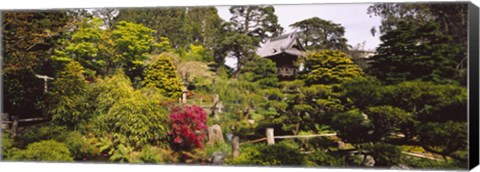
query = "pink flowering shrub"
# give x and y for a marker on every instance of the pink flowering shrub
(188, 125)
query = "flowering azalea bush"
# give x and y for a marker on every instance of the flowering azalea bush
(188, 125)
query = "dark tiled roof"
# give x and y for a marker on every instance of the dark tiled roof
(281, 44)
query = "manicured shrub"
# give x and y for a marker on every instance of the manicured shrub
(162, 74)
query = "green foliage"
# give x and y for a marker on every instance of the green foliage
(135, 120)
(319, 34)
(329, 67)
(132, 43)
(260, 71)
(259, 22)
(79, 145)
(321, 158)
(198, 53)
(427, 114)
(24, 56)
(353, 126)
(424, 163)
(86, 45)
(70, 102)
(111, 89)
(148, 156)
(385, 155)
(102, 50)
(429, 101)
(167, 22)
(251, 96)
(414, 51)
(127, 119)
(451, 17)
(444, 138)
(40, 132)
(362, 92)
(283, 153)
(196, 76)
(47, 150)
(6, 144)
(240, 46)
(161, 74)
(388, 119)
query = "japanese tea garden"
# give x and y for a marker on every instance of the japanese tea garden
(152, 86)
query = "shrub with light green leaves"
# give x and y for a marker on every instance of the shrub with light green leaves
(46, 150)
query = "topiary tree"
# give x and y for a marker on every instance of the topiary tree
(47, 150)
(161, 74)
(329, 67)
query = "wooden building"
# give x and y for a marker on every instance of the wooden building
(284, 50)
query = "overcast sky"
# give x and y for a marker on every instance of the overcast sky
(353, 17)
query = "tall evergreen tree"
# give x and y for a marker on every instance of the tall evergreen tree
(413, 51)
(28, 40)
(319, 34)
(259, 22)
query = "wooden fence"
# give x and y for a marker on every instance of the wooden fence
(11, 123)
(270, 138)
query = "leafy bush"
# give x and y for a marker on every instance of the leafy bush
(132, 43)
(283, 153)
(47, 150)
(321, 158)
(40, 132)
(151, 154)
(127, 117)
(111, 89)
(352, 126)
(80, 146)
(70, 106)
(198, 53)
(188, 125)
(423, 163)
(385, 155)
(135, 121)
(7, 145)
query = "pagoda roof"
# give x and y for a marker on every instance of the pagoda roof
(287, 43)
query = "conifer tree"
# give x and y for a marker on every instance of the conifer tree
(161, 73)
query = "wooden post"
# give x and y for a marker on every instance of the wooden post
(5, 119)
(270, 136)
(184, 95)
(235, 146)
(14, 126)
(215, 134)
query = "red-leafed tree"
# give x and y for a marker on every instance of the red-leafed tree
(188, 125)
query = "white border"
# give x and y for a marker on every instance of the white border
(84, 167)
(58, 4)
